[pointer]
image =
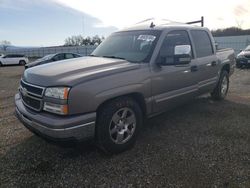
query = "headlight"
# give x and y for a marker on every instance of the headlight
(57, 92)
(240, 56)
(60, 93)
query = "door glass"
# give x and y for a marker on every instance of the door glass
(173, 38)
(202, 43)
(58, 57)
(69, 56)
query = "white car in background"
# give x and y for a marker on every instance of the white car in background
(13, 59)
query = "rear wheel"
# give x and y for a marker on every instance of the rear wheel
(118, 125)
(22, 62)
(220, 92)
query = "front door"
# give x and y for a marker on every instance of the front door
(173, 83)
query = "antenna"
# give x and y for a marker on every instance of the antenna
(83, 25)
(145, 20)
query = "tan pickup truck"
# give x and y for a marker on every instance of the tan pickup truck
(134, 74)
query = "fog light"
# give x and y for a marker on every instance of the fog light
(56, 108)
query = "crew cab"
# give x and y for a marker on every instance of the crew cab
(13, 59)
(135, 73)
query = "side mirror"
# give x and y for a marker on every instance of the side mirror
(182, 54)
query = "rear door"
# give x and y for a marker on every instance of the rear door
(16, 59)
(206, 60)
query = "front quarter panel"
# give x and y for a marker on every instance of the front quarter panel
(88, 96)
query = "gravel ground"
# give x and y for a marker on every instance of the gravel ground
(201, 144)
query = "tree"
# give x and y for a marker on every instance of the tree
(5, 44)
(79, 40)
(231, 31)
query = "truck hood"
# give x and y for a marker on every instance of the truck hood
(74, 71)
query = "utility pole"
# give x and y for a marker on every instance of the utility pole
(83, 25)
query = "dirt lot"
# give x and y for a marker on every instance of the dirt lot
(202, 144)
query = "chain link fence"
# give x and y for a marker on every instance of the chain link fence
(236, 42)
(40, 52)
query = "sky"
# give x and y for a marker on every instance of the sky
(218, 13)
(49, 22)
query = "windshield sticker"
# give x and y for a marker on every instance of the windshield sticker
(149, 38)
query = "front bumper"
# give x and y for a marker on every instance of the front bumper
(54, 127)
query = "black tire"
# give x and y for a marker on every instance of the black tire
(22, 62)
(105, 139)
(238, 66)
(219, 92)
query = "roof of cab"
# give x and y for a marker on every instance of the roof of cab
(156, 25)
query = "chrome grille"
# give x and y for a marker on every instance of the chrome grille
(31, 95)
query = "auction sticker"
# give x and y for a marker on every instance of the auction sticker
(149, 38)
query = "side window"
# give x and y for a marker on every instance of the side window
(58, 57)
(173, 38)
(69, 56)
(202, 43)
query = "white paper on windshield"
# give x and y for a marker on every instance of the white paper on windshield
(149, 38)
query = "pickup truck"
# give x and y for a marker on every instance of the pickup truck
(136, 73)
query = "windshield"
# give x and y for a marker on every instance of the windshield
(134, 46)
(247, 48)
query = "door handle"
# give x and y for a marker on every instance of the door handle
(194, 68)
(214, 63)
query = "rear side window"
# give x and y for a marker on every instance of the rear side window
(202, 43)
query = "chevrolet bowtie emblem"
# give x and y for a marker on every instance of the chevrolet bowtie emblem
(24, 92)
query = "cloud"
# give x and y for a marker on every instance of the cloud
(220, 19)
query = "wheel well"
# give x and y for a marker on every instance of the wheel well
(135, 96)
(226, 68)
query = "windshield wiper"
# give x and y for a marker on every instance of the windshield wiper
(114, 57)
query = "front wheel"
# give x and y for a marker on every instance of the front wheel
(220, 92)
(239, 66)
(118, 125)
